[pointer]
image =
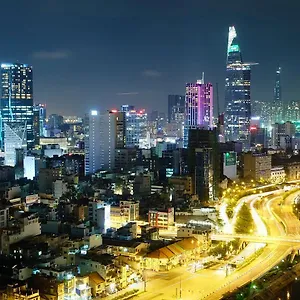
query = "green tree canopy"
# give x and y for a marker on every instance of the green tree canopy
(244, 223)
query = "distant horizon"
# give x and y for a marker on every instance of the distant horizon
(98, 55)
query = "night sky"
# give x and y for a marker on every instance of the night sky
(103, 53)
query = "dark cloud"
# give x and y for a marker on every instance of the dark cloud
(127, 93)
(57, 54)
(151, 73)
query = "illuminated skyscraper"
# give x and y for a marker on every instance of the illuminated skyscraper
(92, 151)
(198, 107)
(104, 133)
(39, 121)
(136, 126)
(237, 93)
(277, 88)
(17, 98)
(277, 107)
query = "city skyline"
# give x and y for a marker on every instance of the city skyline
(141, 54)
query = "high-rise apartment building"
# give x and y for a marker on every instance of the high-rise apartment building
(198, 107)
(176, 106)
(17, 99)
(104, 133)
(108, 140)
(91, 142)
(237, 93)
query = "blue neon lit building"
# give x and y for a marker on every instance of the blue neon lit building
(17, 99)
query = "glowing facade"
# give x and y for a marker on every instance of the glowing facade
(198, 107)
(17, 98)
(136, 126)
(277, 108)
(237, 93)
(91, 143)
(14, 138)
(277, 88)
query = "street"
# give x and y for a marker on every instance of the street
(181, 283)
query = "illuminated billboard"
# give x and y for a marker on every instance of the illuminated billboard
(230, 159)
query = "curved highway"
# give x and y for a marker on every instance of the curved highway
(212, 283)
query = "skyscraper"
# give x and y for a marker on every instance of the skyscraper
(277, 87)
(120, 127)
(277, 107)
(237, 93)
(17, 98)
(39, 122)
(136, 126)
(104, 133)
(36, 126)
(176, 105)
(198, 107)
(204, 162)
(91, 143)
(108, 139)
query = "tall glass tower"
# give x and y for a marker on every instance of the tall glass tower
(237, 93)
(277, 107)
(277, 87)
(17, 99)
(198, 107)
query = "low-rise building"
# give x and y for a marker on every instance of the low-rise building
(103, 264)
(182, 184)
(26, 225)
(277, 175)
(127, 211)
(97, 284)
(257, 166)
(173, 255)
(149, 233)
(292, 171)
(18, 290)
(127, 232)
(200, 232)
(161, 218)
(48, 286)
(4, 217)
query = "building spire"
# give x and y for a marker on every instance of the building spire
(201, 81)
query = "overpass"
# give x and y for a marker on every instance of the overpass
(289, 240)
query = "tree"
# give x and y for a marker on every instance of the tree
(244, 223)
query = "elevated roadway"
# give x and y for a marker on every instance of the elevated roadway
(212, 284)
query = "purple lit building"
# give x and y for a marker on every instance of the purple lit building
(198, 107)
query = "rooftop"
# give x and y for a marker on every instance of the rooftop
(174, 249)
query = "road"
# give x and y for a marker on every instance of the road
(211, 284)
